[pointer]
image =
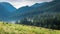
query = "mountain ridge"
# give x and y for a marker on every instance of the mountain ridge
(38, 9)
(5, 10)
(25, 11)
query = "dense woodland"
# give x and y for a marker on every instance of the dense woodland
(47, 20)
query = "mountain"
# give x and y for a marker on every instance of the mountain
(36, 5)
(26, 9)
(38, 8)
(8, 6)
(18, 12)
(6, 10)
(22, 10)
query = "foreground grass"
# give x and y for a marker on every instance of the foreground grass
(24, 29)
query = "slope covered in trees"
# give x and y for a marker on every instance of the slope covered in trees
(47, 16)
(47, 20)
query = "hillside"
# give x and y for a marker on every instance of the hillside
(24, 29)
(36, 9)
(46, 14)
(6, 10)
(7, 6)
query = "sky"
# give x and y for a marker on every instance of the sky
(20, 3)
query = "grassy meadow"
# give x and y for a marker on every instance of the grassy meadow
(24, 29)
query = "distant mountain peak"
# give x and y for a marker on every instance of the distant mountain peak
(56, 0)
(6, 10)
(39, 4)
(7, 5)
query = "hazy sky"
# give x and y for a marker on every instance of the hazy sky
(20, 3)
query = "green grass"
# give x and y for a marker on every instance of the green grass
(24, 29)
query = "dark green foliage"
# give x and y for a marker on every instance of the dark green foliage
(47, 16)
(44, 20)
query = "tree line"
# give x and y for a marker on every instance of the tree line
(51, 21)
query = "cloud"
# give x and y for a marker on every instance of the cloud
(2, 0)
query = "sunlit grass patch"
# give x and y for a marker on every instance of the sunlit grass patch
(24, 29)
